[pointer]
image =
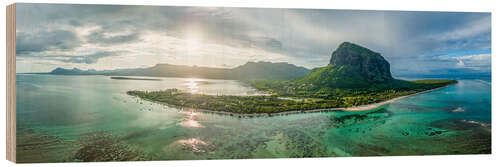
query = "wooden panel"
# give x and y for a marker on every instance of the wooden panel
(11, 82)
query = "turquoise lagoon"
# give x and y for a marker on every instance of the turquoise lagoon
(55, 113)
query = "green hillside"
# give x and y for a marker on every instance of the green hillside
(268, 71)
(351, 66)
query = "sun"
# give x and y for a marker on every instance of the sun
(193, 40)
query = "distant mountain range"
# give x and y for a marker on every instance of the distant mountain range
(248, 71)
(350, 66)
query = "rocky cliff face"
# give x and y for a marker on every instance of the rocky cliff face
(351, 66)
(370, 64)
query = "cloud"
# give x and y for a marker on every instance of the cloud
(102, 38)
(472, 29)
(139, 36)
(87, 59)
(45, 40)
(460, 63)
(477, 62)
(122, 32)
(78, 59)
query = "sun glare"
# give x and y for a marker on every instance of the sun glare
(192, 85)
(190, 121)
(193, 40)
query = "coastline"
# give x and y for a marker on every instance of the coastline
(348, 109)
(379, 104)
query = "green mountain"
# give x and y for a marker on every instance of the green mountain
(248, 71)
(355, 75)
(269, 71)
(182, 71)
(352, 66)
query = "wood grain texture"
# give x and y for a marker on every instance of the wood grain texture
(11, 82)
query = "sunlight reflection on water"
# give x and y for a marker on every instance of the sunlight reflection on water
(195, 144)
(190, 121)
(192, 85)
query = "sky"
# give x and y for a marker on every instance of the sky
(105, 37)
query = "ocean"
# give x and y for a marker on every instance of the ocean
(56, 115)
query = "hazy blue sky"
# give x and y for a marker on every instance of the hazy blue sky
(109, 37)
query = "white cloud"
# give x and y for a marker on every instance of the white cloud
(474, 62)
(227, 37)
(472, 29)
(460, 63)
(476, 57)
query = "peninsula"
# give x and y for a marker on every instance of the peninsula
(356, 78)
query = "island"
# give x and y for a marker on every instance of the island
(356, 78)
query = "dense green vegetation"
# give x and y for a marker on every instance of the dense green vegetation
(300, 97)
(305, 90)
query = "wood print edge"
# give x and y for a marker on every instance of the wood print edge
(11, 82)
